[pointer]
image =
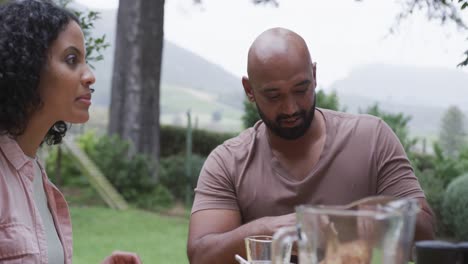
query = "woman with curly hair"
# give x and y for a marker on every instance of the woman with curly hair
(44, 82)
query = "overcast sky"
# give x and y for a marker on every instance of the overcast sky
(341, 34)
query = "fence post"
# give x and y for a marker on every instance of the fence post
(188, 159)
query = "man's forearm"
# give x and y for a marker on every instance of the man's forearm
(425, 224)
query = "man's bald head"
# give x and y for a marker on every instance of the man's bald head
(276, 47)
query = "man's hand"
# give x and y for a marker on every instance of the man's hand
(120, 257)
(271, 224)
(215, 236)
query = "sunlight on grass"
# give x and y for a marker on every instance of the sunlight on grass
(99, 231)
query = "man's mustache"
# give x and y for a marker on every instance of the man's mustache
(297, 114)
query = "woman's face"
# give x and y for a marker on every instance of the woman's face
(65, 79)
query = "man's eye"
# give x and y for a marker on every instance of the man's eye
(71, 59)
(301, 91)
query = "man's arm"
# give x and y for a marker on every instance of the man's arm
(396, 178)
(215, 236)
(425, 223)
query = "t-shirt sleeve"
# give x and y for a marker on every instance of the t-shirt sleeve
(215, 190)
(395, 174)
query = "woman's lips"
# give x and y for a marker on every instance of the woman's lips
(85, 99)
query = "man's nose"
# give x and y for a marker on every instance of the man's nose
(289, 106)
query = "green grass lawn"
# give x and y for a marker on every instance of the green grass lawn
(97, 231)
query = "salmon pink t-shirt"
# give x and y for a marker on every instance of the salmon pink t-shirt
(361, 157)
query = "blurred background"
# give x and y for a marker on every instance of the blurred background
(169, 91)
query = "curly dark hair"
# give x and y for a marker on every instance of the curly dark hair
(27, 29)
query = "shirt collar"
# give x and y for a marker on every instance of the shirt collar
(12, 151)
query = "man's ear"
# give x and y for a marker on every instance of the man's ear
(248, 89)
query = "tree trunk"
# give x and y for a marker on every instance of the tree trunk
(134, 110)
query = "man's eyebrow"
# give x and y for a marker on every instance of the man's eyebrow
(270, 89)
(301, 83)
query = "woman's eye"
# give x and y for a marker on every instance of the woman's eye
(71, 59)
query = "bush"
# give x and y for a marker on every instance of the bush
(131, 176)
(70, 174)
(434, 190)
(172, 174)
(157, 199)
(173, 141)
(455, 207)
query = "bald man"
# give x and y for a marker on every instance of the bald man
(297, 154)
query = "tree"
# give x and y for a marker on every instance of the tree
(250, 116)
(442, 10)
(329, 101)
(94, 46)
(134, 110)
(452, 131)
(397, 122)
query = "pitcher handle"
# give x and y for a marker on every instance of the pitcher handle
(282, 244)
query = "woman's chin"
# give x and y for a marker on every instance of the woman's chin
(79, 119)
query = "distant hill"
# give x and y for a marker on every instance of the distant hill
(180, 67)
(188, 81)
(423, 93)
(408, 85)
(192, 82)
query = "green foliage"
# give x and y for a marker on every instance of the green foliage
(250, 116)
(421, 161)
(397, 122)
(329, 101)
(435, 172)
(455, 204)
(452, 131)
(445, 168)
(172, 173)
(158, 198)
(173, 140)
(434, 190)
(70, 174)
(94, 45)
(128, 174)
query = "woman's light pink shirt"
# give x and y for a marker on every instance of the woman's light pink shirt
(22, 234)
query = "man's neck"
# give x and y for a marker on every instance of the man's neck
(301, 145)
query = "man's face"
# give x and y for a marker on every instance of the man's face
(290, 127)
(284, 93)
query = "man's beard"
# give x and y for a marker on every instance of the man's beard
(290, 133)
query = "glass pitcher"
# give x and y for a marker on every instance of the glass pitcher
(371, 231)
